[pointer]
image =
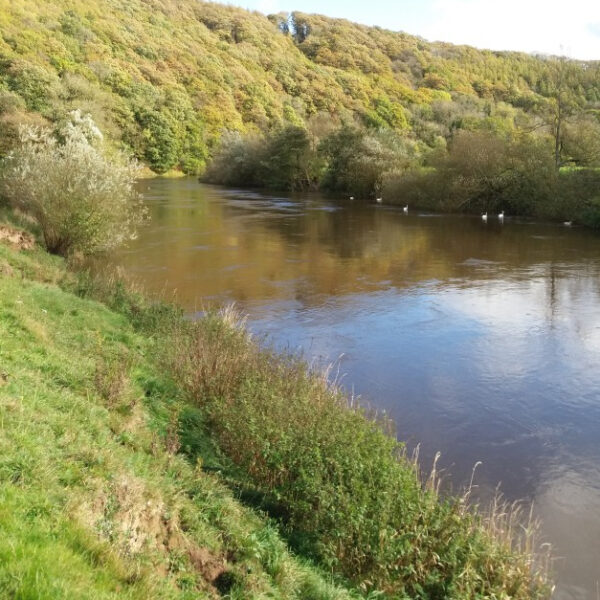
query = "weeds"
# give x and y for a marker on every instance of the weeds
(111, 378)
(172, 441)
(342, 485)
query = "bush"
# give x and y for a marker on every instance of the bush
(358, 159)
(282, 160)
(290, 164)
(577, 197)
(83, 200)
(11, 123)
(238, 160)
(482, 171)
(590, 216)
(162, 144)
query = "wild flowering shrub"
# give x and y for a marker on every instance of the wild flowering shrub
(83, 199)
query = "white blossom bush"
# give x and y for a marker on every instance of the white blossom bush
(84, 200)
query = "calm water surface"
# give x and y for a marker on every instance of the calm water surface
(482, 341)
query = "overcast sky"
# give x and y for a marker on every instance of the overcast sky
(547, 26)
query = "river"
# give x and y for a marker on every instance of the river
(481, 340)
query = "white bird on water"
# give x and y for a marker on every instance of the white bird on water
(568, 223)
(501, 216)
(405, 209)
(379, 200)
(484, 217)
(351, 197)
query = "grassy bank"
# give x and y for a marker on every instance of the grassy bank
(95, 500)
(143, 455)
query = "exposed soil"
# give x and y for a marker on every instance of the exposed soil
(207, 564)
(140, 523)
(139, 518)
(19, 239)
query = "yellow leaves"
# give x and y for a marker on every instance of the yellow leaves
(241, 70)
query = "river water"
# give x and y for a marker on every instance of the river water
(481, 340)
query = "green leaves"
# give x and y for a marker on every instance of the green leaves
(167, 83)
(82, 200)
(338, 483)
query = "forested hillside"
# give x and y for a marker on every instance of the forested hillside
(165, 78)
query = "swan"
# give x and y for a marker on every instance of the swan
(379, 200)
(405, 209)
(484, 217)
(351, 197)
(501, 216)
(568, 223)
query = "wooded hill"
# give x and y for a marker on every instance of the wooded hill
(165, 78)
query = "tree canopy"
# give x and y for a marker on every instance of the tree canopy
(165, 78)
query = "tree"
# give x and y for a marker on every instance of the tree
(163, 146)
(238, 160)
(290, 164)
(83, 200)
(357, 160)
(564, 103)
(581, 140)
(340, 150)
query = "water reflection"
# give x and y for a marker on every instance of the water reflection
(481, 340)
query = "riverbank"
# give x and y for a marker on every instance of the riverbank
(473, 172)
(570, 195)
(99, 496)
(165, 418)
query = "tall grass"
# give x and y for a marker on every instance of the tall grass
(340, 483)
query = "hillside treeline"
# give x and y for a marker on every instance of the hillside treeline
(178, 82)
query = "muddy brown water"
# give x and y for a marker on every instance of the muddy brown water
(481, 340)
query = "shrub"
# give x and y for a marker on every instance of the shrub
(11, 123)
(482, 170)
(37, 86)
(577, 197)
(590, 216)
(282, 159)
(290, 163)
(358, 160)
(238, 160)
(162, 144)
(83, 200)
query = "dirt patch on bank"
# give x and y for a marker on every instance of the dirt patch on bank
(137, 520)
(211, 567)
(16, 238)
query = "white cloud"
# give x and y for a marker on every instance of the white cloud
(545, 26)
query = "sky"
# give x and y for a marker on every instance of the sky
(542, 26)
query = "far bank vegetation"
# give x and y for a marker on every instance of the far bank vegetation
(297, 101)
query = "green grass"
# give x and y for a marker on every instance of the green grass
(94, 501)
(572, 169)
(143, 455)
